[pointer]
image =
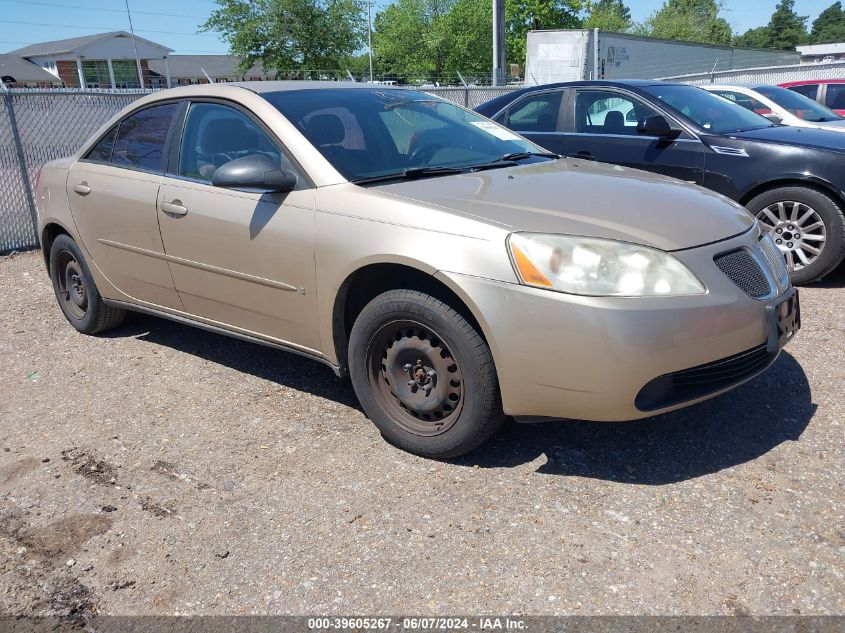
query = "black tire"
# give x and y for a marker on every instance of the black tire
(830, 213)
(76, 291)
(408, 343)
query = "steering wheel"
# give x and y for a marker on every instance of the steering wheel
(423, 155)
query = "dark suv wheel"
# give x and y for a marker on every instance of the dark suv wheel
(808, 227)
(76, 292)
(424, 375)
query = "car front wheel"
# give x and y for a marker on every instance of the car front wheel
(808, 227)
(424, 375)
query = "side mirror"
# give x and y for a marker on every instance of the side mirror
(256, 172)
(774, 118)
(655, 125)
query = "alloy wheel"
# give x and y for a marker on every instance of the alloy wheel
(798, 231)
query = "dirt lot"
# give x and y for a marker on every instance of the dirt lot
(161, 469)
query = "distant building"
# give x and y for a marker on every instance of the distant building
(192, 69)
(818, 53)
(108, 60)
(105, 60)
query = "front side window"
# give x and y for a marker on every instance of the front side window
(602, 112)
(374, 133)
(538, 113)
(216, 134)
(708, 111)
(810, 91)
(797, 104)
(141, 138)
(746, 101)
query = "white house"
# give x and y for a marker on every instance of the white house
(815, 53)
(106, 60)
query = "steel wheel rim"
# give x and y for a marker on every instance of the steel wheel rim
(73, 292)
(415, 377)
(798, 230)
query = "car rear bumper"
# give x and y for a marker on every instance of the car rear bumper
(611, 358)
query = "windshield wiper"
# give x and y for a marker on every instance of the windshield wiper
(509, 160)
(412, 173)
(523, 155)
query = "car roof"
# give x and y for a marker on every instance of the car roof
(807, 82)
(279, 86)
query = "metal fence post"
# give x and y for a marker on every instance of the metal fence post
(27, 187)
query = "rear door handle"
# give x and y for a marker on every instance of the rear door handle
(585, 155)
(174, 208)
(82, 188)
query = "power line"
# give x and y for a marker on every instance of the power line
(100, 28)
(88, 8)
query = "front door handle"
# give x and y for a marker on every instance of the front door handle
(82, 188)
(584, 154)
(174, 208)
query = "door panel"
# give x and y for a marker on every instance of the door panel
(243, 259)
(604, 128)
(114, 207)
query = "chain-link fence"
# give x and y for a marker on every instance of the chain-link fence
(766, 75)
(37, 126)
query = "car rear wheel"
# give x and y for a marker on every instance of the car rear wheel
(424, 375)
(76, 292)
(808, 227)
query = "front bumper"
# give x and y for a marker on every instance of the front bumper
(568, 356)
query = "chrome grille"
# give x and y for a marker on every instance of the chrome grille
(744, 270)
(775, 258)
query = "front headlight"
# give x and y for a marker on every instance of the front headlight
(599, 267)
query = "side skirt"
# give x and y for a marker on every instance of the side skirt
(221, 330)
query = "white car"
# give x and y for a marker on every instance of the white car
(780, 105)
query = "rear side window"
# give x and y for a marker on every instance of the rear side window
(835, 96)
(141, 138)
(101, 152)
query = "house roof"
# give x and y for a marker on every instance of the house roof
(214, 65)
(24, 71)
(822, 49)
(72, 44)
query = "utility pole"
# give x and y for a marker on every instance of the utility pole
(499, 43)
(370, 36)
(135, 46)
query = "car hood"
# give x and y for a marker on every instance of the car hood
(585, 198)
(798, 136)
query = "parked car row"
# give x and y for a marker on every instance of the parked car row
(456, 271)
(791, 178)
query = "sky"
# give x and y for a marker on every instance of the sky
(175, 23)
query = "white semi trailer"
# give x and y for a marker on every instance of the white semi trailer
(574, 54)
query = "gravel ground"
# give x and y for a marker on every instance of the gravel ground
(160, 469)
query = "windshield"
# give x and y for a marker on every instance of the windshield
(799, 105)
(708, 110)
(369, 133)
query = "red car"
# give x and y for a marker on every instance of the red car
(829, 92)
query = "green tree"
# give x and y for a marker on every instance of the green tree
(691, 20)
(288, 34)
(608, 15)
(411, 38)
(829, 27)
(522, 16)
(470, 45)
(786, 28)
(759, 37)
